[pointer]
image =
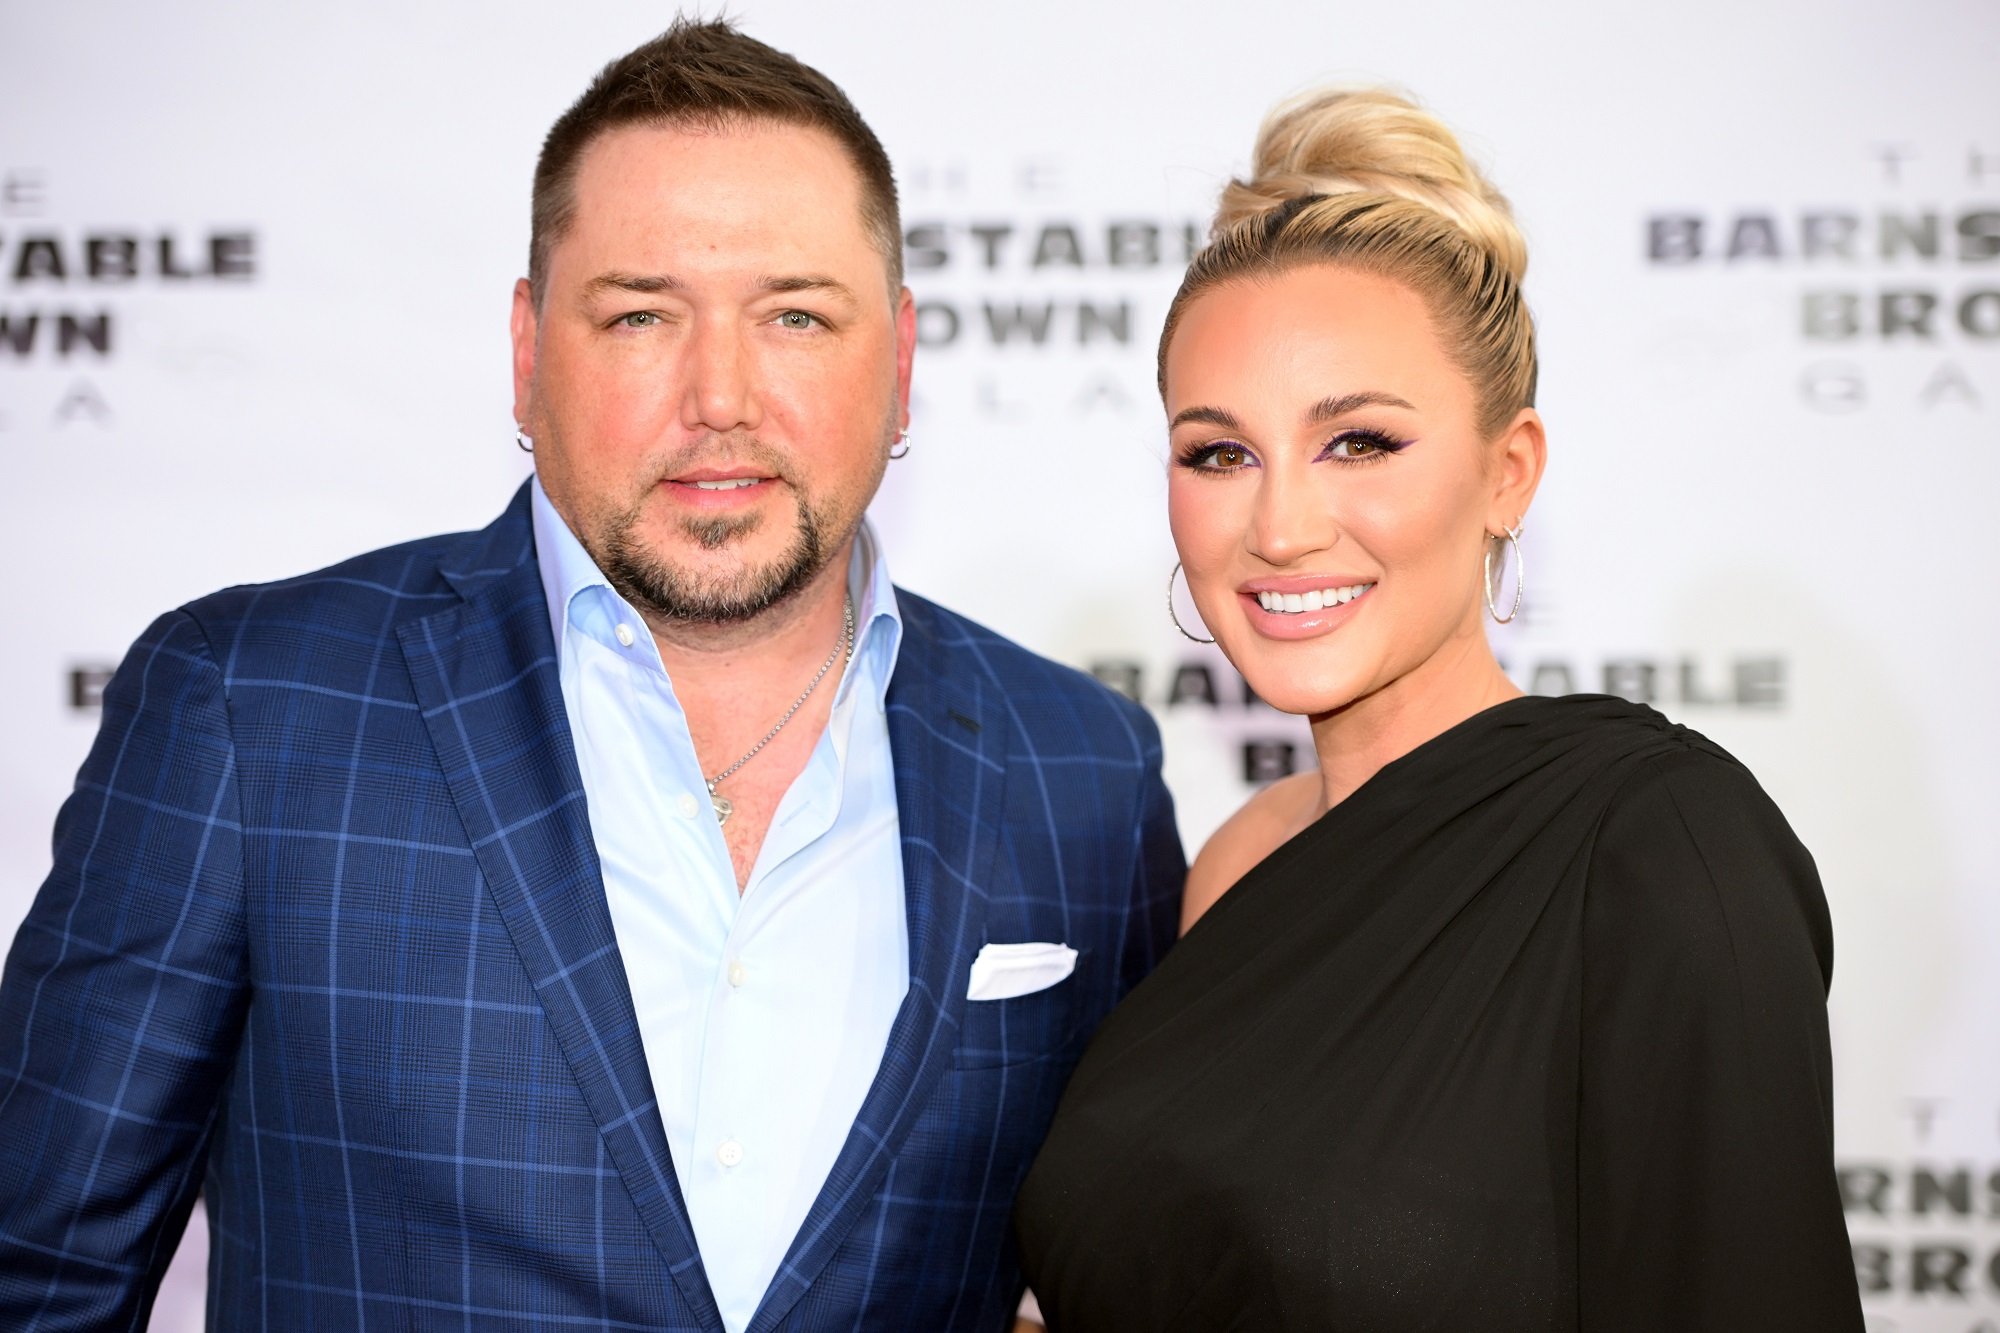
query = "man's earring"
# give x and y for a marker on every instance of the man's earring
(903, 439)
(1170, 606)
(522, 442)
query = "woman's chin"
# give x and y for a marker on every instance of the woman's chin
(1292, 692)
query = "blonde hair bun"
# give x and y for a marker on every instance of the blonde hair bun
(1338, 141)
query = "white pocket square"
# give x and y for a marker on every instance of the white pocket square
(1002, 971)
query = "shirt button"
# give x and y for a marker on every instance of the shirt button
(738, 974)
(687, 805)
(624, 633)
(730, 1153)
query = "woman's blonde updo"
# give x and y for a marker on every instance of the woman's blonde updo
(1366, 179)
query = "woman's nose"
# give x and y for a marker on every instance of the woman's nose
(1290, 520)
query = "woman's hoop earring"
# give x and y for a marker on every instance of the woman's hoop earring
(903, 439)
(1170, 607)
(522, 442)
(1513, 536)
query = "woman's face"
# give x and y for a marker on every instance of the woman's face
(1330, 492)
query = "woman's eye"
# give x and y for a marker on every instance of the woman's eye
(1359, 444)
(639, 319)
(797, 319)
(1222, 457)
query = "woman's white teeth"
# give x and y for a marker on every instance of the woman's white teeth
(733, 483)
(1291, 603)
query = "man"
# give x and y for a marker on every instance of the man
(637, 914)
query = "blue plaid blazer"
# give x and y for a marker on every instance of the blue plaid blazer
(326, 942)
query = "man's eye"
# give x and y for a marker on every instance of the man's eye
(639, 319)
(797, 319)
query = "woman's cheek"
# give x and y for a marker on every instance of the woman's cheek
(1201, 519)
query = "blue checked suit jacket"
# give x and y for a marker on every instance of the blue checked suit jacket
(326, 941)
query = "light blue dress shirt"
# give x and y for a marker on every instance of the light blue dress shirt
(763, 1014)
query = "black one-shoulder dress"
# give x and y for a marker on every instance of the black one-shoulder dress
(1528, 1033)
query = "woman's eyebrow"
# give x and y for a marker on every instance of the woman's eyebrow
(1326, 409)
(1213, 416)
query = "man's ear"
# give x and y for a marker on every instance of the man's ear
(906, 354)
(523, 324)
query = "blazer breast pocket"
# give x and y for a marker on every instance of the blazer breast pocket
(1020, 1025)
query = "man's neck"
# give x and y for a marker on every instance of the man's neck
(736, 684)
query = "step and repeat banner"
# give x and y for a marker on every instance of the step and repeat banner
(255, 265)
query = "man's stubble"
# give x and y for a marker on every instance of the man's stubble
(659, 589)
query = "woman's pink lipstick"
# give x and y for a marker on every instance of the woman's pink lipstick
(1324, 602)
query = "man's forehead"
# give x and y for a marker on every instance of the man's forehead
(687, 189)
(649, 155)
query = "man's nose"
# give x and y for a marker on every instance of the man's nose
(721, 391)
(1291, 520)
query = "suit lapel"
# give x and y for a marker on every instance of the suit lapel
(486, 678)
(948, 737)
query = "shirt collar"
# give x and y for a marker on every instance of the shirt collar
(566, 567)
(568, 571)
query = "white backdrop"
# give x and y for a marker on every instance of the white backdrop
(1767, 510)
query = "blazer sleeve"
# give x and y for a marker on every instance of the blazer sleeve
(123, 1000)
(1159, 865)
(1706, 1187)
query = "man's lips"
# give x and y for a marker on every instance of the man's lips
(718, 488)
(719, 478)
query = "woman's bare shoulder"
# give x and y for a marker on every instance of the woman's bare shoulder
(1267, 820)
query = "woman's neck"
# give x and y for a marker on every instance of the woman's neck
(1356, 741)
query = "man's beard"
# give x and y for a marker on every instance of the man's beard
(654, 586)
(661, 589)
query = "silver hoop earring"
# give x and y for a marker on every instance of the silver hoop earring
(1170, 607)
(522, 442)
(1513, 536)
(902, 438)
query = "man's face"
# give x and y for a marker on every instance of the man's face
(718, 366)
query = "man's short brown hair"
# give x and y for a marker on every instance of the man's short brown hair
(710, 76)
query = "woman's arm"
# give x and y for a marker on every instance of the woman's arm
(1705, 1178)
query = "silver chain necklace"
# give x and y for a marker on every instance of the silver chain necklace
(723, 806)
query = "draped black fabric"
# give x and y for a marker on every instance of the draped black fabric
(1527, 1033)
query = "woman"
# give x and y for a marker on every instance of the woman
(1511, 1014)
